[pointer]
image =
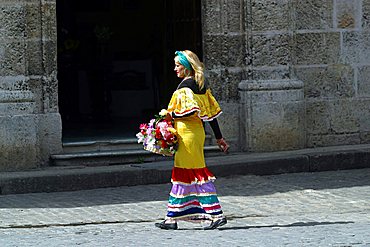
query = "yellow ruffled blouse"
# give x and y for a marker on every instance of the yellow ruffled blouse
(185, 101)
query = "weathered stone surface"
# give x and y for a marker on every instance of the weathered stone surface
(317, 118)
(34, 57)
(273, 91)
(269, 15)
(49, 136)
(314, 14)
(35, 85)
(212, 48)
(332, 117)
(229, 121)
(316, 48)
(229, 85)
(270, 50)
(28, 84)
(277, 127)
(343, 117)
(364, 81)
(48, 19)
(12, 21)
(356, 48)
(14, 83)
(333, 81)
(12, 59)
(18, 142)
(212, 16)
(27, 140)
(273, 115)
(337, 121)
(49, 57)
(365, 137)
(7, 108)
(232, 53)
(33, 17)
(366, 15)
(348, 13)
(7, 96)
(50, 94)
(224, 84)
(271, 73)
(231, 20)
(332, 140)
(362, 111)
(224, 51)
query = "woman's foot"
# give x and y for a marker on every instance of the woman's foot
(216, 223)
(166, 226)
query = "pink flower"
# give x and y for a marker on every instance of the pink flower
(143, 126)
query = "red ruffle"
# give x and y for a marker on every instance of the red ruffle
(191, 176)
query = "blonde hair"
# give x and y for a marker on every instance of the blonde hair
(197, 66)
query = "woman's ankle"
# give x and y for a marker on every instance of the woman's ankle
(170, 221)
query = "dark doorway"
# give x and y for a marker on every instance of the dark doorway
(115, 62)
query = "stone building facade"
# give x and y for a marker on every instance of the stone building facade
(29, 119)
(288, 74)
(298, 71)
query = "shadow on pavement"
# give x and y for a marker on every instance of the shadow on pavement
(242, 186)
(297, 224)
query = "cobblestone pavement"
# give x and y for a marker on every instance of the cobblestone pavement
(302, 209)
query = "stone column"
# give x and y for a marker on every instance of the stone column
(29, 119)
(272, 116)
(272, 100)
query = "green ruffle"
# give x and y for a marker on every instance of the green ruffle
(210, 199)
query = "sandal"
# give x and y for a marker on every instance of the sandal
(216, 223)
(166, 226)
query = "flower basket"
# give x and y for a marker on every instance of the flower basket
(158, 136)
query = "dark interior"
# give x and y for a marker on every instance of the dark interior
(115, 62)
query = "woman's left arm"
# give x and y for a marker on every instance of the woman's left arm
(222, 144)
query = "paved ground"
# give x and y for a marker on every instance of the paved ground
(299, 209)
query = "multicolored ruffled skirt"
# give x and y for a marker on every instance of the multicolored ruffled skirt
(193, 195)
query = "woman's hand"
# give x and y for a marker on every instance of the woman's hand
(166, 114)
(222, 144)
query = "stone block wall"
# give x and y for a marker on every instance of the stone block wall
(325, 44)
(225, 58)
(272, 115)
(332, 57)
(29, 119)
(272, 99)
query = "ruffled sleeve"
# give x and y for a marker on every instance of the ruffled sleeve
(210, 109)
(184, 102)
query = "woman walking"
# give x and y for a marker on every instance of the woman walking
(193, 195)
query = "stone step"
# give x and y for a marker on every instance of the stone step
(109, 145)
(111, 152)
(101, 145)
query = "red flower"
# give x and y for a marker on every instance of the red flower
(158, 134)
(163, 144)
(168, 137)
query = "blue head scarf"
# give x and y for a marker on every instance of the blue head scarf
(183, 60)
